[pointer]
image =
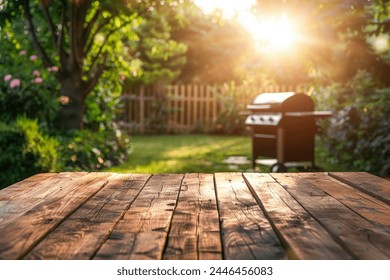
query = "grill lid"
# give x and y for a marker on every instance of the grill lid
(272, 98)
(281, 102)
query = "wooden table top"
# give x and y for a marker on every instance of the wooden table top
(196, 216)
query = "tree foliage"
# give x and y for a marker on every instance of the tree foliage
(82, 51)
(160, 56)
(84, 39)
(217, 50)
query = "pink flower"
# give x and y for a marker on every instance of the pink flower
(53, 69)
(14, 83)
(22, 52)
(36, 73)
(7, 78)
(63, 99)
(33, 57)
(38, 80)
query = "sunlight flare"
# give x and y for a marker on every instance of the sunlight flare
(381, 43)
(272, 34)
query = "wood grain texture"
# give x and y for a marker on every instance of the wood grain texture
(195, 229)
(81, 235)
(23, 186)
(368, 183)
(301, 234)
(17, 199)
(367, 206)
(63, 198)
(358, 236)
(196, 216)
(142, 232)
(246, 233)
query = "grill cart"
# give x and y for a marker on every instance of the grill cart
(283, 129)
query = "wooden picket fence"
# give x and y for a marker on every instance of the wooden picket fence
(183, 108)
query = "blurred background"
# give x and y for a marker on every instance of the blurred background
(108, 85)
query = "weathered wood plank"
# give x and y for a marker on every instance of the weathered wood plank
(24, 185)
(357, 235)
(246, 232)
(10, 193)
(80, 236)
(18, 198)
(33, 185)
(142, 232)
(367, 206)
(368, 183)
(22, 234)
(194, 233)
(302, 235)
(111, 216)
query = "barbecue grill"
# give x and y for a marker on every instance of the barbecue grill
(283, 129)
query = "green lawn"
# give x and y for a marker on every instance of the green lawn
(184, 153)
(191, 153)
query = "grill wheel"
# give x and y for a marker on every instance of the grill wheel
(278, 167)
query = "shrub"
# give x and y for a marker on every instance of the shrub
(27, 89)
(24, 151)
(229, 120)
(100, 144)
(93, 150)
(358, 136)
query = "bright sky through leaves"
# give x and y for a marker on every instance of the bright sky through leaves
(229, 7)
(276, 33)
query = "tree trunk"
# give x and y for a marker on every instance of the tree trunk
(70, 115)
